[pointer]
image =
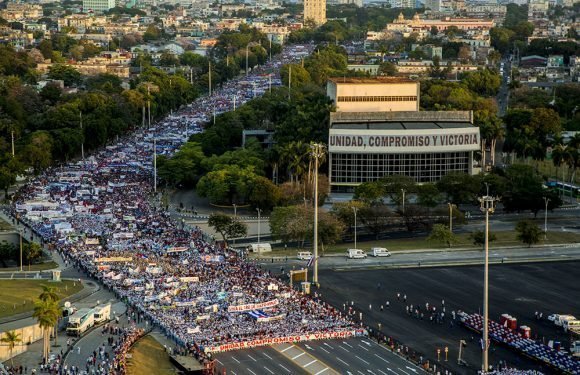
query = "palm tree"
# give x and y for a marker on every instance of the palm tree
(48, 294)
(559, 157)
(33, 251)
(11, 338)
(47, 314)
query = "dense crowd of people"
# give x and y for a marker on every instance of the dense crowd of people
(103, 216)
(128, 338)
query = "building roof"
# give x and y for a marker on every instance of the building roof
(401, 125)
(377, 80)
(401, 120)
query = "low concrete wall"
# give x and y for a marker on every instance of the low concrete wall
(27, 334)
(11, 237)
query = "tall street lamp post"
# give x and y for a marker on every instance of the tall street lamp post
(546, 200)
(487, 206)
(317, 152)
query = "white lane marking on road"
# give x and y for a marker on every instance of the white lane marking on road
(382, 372)
(281, 365)
(378, 356)
(235, 359)
(366, 342)
(233, 373)
(321, 348)
(299, 355)
(321, 371)
(343, 361)
(251, 371)
(267, 369)
(255, 360)
(347, 344)
(267, 356)
(412, 369)
(363, 347)
(330, 346)
(309, 363)
(283, 350)
(391, 370)
(220, 362)
(360, 372)
(361, 359)
(308, 347)
(403, 371)
(343, 348)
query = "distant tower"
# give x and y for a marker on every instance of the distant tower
(315, 10)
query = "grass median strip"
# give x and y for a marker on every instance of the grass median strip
(18, 296)
(149, 356)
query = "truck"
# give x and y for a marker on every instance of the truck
(260, 247)
(102, 313)
(559, 319)
(355, 254)
(80, 322)
(568, 325)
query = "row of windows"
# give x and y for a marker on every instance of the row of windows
(359, 168)
(379, 98)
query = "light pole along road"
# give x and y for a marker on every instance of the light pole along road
(487, 206)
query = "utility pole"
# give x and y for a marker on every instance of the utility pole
(259, 216)
(546, 200)
(403, 204)
(209, 73)
(20, 232)
(12, 135)
(354, 209)
(154, 163)
(234, 103)
(83, 137)
(247, 56)
(317, 152)
(289, 81)
(270, 47)
(270, 82)
(488, 204)
(451, 206)
(149, 104)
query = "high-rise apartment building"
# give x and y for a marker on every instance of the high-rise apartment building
(315, 10)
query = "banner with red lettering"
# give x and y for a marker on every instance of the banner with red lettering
(253, 306)
(281, 340)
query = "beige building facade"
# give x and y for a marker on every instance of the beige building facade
(381, 94)
(315, 11)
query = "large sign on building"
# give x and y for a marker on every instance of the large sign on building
(407, 141)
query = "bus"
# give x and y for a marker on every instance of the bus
(80, 322)
(564, 188)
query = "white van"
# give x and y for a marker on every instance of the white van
(355, 254)
(304, 255)
(380, 252)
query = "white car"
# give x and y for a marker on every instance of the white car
(304, 255)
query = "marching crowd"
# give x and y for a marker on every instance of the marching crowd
(102, 215)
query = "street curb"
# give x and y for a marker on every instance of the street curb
(456, 264)
(419, 251)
